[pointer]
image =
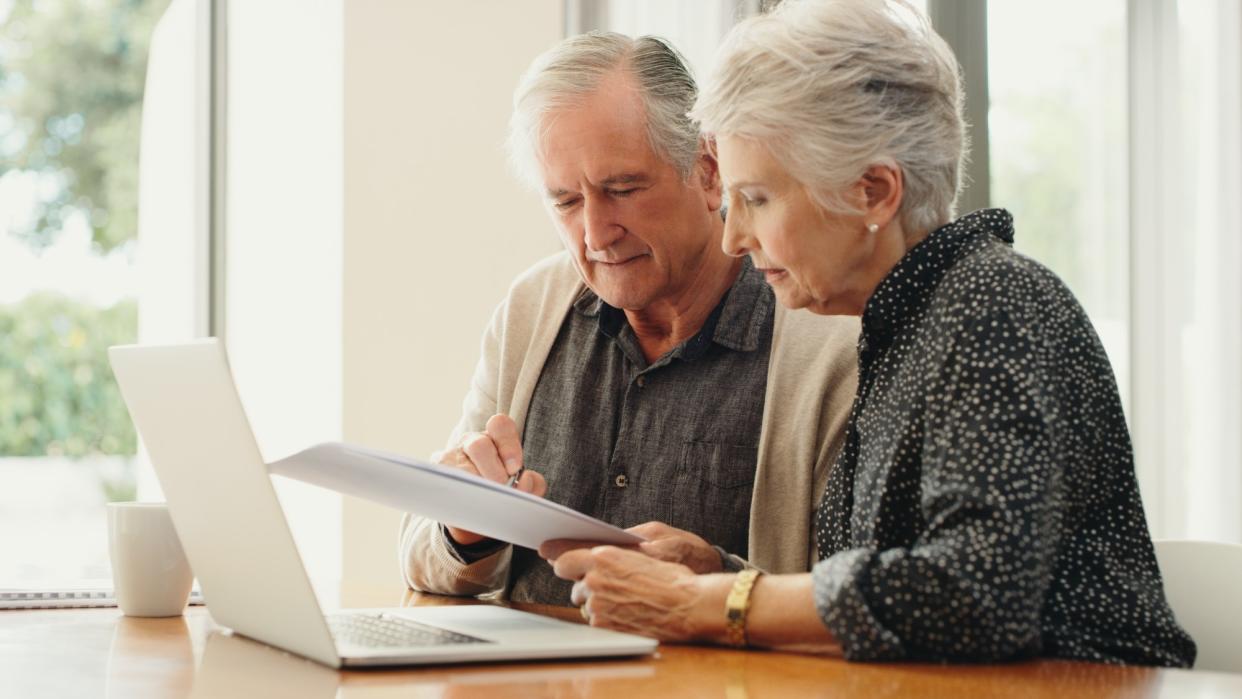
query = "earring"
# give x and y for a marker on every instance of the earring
(873, 227)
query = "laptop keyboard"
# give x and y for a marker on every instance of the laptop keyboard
(391, 632)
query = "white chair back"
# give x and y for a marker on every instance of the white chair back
(1203, 583)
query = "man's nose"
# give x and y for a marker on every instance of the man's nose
(600, 224)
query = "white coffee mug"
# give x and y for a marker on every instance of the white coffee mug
(149, 571)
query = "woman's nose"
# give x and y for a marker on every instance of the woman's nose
(736, 241)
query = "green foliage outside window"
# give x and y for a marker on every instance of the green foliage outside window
(72, 74)
(59, 396)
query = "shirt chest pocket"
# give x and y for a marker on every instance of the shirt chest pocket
(713, 492)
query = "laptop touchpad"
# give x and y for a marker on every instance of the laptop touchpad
(482, 619)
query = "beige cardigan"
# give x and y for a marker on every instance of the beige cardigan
(812, 376)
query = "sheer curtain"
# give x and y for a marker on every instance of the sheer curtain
(1186, 162)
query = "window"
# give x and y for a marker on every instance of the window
(695, 27)
(1113, 130)
(1057, 135)
(1186, 214)
(76, 275)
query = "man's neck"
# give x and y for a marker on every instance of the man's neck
(663, 325)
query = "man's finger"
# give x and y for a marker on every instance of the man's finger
(482, 453)
(663, 549)
(554, 549)
(533, 483)
(650, 530)
(504, 433)
(572, 565)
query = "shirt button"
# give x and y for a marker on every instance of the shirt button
(641, 381)
(621, 480)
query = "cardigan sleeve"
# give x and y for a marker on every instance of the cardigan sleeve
(512, 351)
(428, 561)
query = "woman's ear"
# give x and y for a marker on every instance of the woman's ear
(883, 187)
(708, 173)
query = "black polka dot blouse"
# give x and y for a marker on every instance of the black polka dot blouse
(985, 505)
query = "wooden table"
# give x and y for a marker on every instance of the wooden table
(100, 653)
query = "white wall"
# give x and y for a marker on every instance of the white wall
(435, 225)
(372, 228)
(283, 245)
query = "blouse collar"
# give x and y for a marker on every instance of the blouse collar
(909, 284)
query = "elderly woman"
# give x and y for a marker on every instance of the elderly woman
(985, 505)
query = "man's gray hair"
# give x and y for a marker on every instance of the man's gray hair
(832, 87)
(573, 69)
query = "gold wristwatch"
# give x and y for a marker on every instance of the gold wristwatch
(737, 604)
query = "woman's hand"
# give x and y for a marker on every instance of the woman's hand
(629, 591)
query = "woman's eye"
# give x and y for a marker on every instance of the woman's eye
(749, 201)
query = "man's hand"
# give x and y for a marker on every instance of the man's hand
(678, 546)
(663, 543)
(495, 454)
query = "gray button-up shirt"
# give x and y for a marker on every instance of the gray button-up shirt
(628, 442)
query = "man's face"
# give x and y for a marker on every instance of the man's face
(637, 232)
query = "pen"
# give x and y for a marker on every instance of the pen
(513, 480)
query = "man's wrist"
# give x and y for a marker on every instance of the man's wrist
(471, 553)
(730, 563)
(461, 537)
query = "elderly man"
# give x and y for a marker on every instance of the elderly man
(641, 376)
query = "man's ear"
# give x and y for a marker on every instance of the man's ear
(707, 173)
(883, 187)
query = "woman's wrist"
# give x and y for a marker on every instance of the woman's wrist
(708, 616)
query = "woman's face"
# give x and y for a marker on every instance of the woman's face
(812, 258)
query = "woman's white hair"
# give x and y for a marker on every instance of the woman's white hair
(832, 87)
(573, 69)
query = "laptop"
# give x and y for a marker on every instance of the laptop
(186, 407)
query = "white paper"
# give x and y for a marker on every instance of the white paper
(447, 495)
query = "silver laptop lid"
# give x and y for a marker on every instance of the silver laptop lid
(183, 400)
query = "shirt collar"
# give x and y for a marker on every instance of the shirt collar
(736, 322)
(907, 287)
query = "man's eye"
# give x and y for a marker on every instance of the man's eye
(753, 202)
(622, 192)
(564, 204)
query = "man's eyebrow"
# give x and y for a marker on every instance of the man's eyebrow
(625, 178)
(612, 181)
